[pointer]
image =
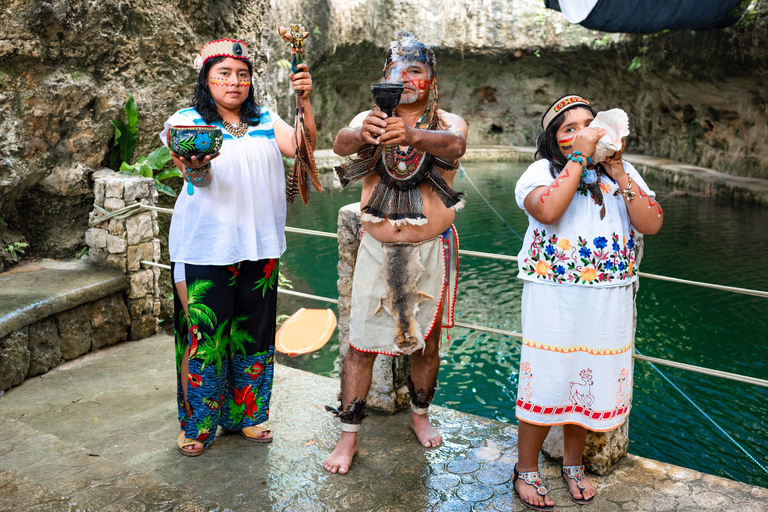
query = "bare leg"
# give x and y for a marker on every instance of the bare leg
(181, 289)
(355, 383)
(424, 368)
(574, 438)
(530, 438)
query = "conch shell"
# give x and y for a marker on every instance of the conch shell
(616, 123)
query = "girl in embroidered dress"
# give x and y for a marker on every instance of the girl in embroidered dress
(227, 234)
(578, 266)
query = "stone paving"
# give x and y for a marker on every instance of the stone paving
(98, 433)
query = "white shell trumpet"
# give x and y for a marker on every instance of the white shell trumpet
(616, 123)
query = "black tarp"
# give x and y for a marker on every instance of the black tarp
(647, 16)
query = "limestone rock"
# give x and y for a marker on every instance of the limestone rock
(139, 228)
(601, 452)
(44, 346)
(75, 331)
(141, 284)
(110, 320)
(14, 359)
(143, 327)
(116, 244)
(96, 237)
(68, 180)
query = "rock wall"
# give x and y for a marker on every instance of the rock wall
(699, 98)
(67, 68)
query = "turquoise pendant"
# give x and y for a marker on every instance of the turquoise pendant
(190, 188)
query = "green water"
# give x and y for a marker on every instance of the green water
(701, 240)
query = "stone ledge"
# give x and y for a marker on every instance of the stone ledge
(37, 290)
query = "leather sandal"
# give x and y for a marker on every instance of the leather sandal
(532, 478)
(182, 442)
(257, 434)
(576, 473)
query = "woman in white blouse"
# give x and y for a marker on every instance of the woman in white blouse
(227, 235)
(578, 265)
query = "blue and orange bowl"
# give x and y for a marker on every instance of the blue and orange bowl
(199, 141)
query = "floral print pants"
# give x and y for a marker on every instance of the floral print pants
(230, 333)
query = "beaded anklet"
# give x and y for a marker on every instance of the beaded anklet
(191, 181)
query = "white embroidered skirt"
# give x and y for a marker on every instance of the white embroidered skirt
(576, 359)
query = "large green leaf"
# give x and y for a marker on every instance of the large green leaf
(173, 172)
(165, 189)
(129, 131)
(158, 158)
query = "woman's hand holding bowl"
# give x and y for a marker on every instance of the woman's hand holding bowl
(195, 163)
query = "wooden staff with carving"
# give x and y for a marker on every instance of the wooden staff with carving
(304, 169)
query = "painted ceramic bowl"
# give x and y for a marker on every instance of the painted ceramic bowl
(188, 141)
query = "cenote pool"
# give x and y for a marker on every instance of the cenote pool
(701, 240)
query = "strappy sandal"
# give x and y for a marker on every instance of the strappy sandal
(252, 434)
(576, 473)
(532, 478)
(182, 442)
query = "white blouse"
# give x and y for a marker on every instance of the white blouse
(241, 214)
(580, 248)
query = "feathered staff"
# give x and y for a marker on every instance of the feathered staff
(304, 169)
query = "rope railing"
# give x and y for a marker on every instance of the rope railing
(517, 335)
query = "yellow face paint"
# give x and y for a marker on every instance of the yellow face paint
(221, 82)
(245, 83)
(566, 142)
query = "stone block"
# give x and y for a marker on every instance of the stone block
(96, 237)
(116, 244)
(97, 255)
(110, 320)
(113, 203)
(136, 188)
(44, 346)
(141, 284)
(156, 308)
(114, 188)
(75, 331)
(155, 251)
(142, 306)
(601, 452)
(117, 227)
(136, 253)
(99, 192)
(139, 228)
(116, 261)
(143, 327)
(14, 359)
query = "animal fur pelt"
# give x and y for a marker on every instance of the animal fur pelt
(304, 169)
(401, 269)
(399, 200)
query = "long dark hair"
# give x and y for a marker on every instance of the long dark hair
(547, 146)
(202, 102)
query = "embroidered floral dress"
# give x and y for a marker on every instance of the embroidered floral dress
(576, 360)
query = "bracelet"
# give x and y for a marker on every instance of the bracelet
(190, 180)
(576, 157)
(626, 192)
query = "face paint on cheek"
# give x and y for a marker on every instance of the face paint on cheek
(566, 142)
(421, 85)
(245, 83)
(219, 81)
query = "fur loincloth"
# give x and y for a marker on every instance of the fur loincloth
(397, 292)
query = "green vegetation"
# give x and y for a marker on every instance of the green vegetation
(15, 248)
(150, 166)
(635, 65)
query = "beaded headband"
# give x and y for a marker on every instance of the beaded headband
(560, 106)
(222, 48)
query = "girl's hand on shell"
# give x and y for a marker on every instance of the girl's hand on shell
(613, 164)
(302, 80)
(194, 162)
(586, 140)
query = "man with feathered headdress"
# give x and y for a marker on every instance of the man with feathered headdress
(407, 266)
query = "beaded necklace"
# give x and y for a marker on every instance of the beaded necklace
(237, 130)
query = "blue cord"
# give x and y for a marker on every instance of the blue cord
(705, 415)
(464, 172)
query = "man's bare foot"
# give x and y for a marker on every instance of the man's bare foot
(341, 459)
(578, 494)
(427, 435)
(530, 495)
